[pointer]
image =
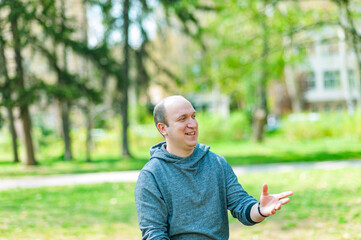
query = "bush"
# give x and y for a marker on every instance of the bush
(217, 128)
(317, 126)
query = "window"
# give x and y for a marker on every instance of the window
(351, 78)
(339, 107)
(314, 108)
(330, 48)
(327, 108)
(310, 81)
(331, 79)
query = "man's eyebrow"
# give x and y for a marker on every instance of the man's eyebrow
(185, 114)
(180, 116)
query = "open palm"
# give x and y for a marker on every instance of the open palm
(270, 203)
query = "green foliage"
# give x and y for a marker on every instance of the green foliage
(186, 13)
(234, 59)
(327, 125)
(141, 114)
(335, 138)
(2, 121)
(217, 128)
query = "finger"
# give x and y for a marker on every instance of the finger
(273, 211)
(284, 201)
(283, 194)
(278, 206)
(265, 189)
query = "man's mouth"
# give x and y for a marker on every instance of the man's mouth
(191, 133)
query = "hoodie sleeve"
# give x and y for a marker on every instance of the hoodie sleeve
(238, 200)
(151, 208)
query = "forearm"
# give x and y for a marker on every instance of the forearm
(255, 216)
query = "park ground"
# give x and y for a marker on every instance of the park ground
(326, 205)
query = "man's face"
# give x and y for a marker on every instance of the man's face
(182, 131)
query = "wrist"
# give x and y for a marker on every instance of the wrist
(259, 210)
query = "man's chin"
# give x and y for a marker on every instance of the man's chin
(193, 143)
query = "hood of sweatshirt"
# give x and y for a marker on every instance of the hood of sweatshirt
(189, 163)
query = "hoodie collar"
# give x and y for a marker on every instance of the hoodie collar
(159, 151)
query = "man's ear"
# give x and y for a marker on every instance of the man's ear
(162, 128)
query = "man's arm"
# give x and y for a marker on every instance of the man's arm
(151, 208)
(269, 204)
(239, 202)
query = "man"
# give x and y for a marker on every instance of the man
(184, 191)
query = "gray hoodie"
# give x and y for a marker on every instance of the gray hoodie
(188, 198)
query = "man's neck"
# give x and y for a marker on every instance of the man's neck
(179, 153)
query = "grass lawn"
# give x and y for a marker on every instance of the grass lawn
(273, 150)
(277, 150)
(326, 205)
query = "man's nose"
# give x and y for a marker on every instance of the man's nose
(192, 123)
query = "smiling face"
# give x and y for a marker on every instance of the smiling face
(181, 134)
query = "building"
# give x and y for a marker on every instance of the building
(328, 78)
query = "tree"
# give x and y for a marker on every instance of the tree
(18, 10)
(347, 19)
(121, 21)
(58, 62)
(7, 101)
(124, 85)
(243, 54)
(248, 44)
(72, 88)
(65, 104)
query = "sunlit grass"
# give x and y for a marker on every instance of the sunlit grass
(273, 150)
(279, 150)
(326, 205)
(227, 137)
(79, 212)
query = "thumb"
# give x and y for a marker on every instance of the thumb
(265, 190)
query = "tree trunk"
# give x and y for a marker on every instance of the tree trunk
(125, 85)
(344, 73)
(14, 135)
(24, 111)
(66, 130)
(260, 115)
(26, 122)
(85, 72)
(7, 96)
(351, 29)
(65, 104)
(89, 140)
(259, 121)
(293, 89)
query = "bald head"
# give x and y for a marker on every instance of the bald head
(175, 119)
(159, 113)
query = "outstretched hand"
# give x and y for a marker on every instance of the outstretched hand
(270, 203)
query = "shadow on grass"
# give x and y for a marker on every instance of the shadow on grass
(9, 163)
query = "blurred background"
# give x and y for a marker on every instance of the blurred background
(272, 82)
